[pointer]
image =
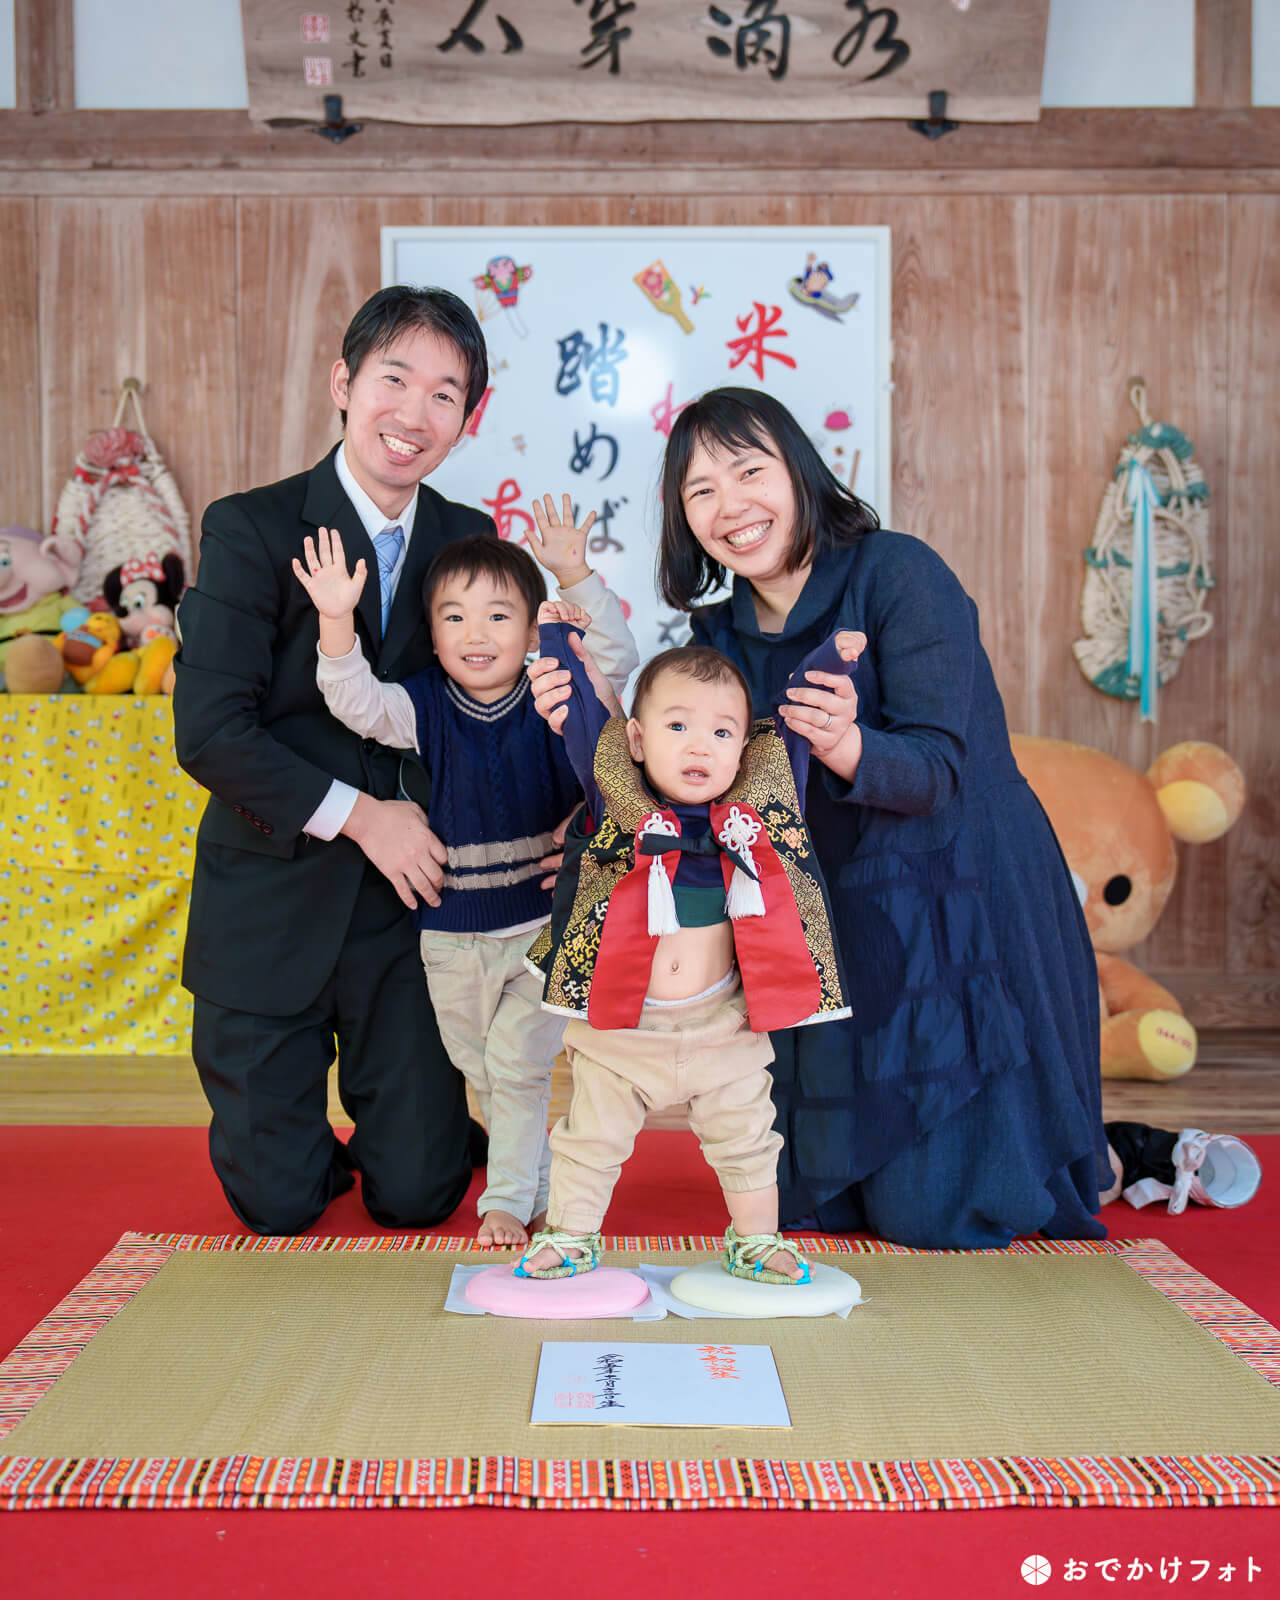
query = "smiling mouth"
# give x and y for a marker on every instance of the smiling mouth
(400, 448)
(479, 661)
(11, 602)
(748, 538)
(695, 774)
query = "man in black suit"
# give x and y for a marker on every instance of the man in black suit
(300, 939)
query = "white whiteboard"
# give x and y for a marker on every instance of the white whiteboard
(586, 372)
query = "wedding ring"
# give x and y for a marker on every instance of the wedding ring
(827, 723)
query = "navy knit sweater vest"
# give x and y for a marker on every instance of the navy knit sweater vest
(500, 783)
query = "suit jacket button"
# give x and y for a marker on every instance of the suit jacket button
(367, 744)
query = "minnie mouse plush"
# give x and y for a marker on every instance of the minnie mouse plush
(144, 592)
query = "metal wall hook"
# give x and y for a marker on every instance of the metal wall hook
(937, 122)
(335, 126)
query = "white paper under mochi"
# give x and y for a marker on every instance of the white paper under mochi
(649, 1310)
(707, 1290)
(661, 1300)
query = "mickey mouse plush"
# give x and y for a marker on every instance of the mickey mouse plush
(144, 592)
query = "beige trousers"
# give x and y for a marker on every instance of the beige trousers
(489, 1008)
(700, 1054)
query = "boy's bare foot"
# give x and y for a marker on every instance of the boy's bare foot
(501, 1228)
(537, 1223)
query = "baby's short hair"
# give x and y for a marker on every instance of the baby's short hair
(697, 661)
(480, 555)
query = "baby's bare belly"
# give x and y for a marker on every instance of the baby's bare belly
(690, 961)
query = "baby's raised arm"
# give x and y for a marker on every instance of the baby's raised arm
(576, 624)
(819, 703)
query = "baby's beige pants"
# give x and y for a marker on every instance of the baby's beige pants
(698, 1053)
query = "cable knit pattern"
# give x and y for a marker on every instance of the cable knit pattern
(500, 783)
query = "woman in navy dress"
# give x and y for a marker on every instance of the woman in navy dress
(960, 1106)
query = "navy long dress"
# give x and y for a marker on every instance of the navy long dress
(960, 1105)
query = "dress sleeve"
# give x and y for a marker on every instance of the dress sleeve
(922, 633)
(381, 711)
(586, 716)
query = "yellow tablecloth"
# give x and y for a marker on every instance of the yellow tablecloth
(98, 826)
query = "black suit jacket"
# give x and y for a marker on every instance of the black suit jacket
(270, 905)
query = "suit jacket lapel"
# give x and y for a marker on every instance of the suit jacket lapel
(327, 506)
(407, 619)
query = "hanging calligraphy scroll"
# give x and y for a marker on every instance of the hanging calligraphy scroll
(598, 337)
(521, 61)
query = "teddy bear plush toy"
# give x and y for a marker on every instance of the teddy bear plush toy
(1117, 829)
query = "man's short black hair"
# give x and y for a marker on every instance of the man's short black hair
(480, 555)
(401, 309)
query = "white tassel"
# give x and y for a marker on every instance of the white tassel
(744, 898)
(738, 834)
(662, 903)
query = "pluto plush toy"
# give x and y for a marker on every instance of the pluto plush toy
(1117, 829)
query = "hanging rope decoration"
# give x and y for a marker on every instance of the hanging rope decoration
(1148, 574)
(121, 502)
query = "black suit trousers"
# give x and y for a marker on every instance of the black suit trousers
(266, 1079)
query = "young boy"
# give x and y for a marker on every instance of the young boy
(689, 920)
(500, 786)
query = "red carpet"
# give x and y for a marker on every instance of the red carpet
(69, 1193)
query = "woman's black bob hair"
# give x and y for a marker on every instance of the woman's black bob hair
(733, 421)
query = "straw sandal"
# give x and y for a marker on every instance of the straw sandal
(561, 1242)
(745, 1256)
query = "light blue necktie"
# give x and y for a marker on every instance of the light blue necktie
(387, 546)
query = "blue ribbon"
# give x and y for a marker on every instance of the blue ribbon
(1140, 495)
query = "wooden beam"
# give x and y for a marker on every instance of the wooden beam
(1224, 53)
(44, 55)
(612, 156)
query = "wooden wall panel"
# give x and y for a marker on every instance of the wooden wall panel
(23, 500)
(960, 402)
(1249, 603)
(1121, 287)
(1017, 322)
(304, 267)
(142, 288)
(1224, 52)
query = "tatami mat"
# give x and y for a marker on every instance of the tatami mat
(347, 1354)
